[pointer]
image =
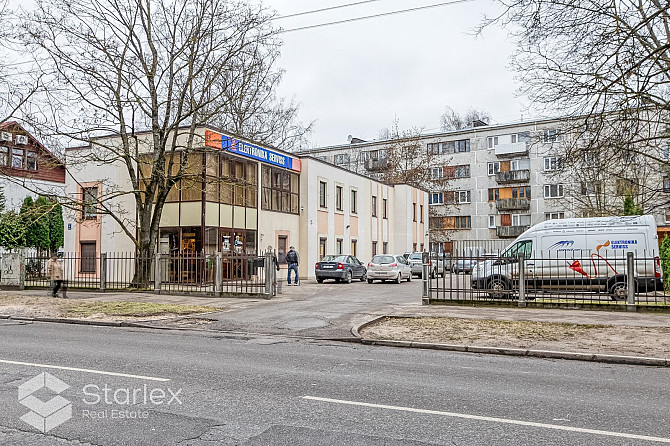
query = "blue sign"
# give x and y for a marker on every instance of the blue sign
(258, 153)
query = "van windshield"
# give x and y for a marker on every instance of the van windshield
(524, 247)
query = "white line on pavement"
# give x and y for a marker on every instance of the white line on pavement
(75, 369)
(493, 419)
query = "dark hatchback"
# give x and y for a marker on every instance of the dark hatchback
(341, 268)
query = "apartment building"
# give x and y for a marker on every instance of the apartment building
(492, 182)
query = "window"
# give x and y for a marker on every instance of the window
(279, 189)
(364, 156)
(3, 156)
(89, 201)
(413, 211)
(322, 247)
(491, 142)
(420, 213)
(462, 145)
(524, 247)
(354, 202)
(553, 190)
(464, 222)
(522, 164)
(552, 163)
(354, 245)
(374, 248)
(384, 208)
(492, 221)
(520, 220)
(282, 244)
(463, 196)
(494, 194)
(88, 257)
(521, 192)
(338, 198)
(385, 248)
(31, 161)
(374, 206)
(322, 194)
(17, 158)
(493, 167)
(436, 198)
(436, 173)
(462, 171)
(377, 154)
(666, 184)
(590, 188)
(338, 246)
(552, 135)
(554, 215)
(341, 159)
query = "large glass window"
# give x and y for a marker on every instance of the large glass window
(279, 190)
(89, 201)
(17, 158)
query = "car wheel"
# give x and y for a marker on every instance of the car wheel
(348, 279)
(432, 274)
(319, 280)
(499, 288)
(619, 290)
(383, 280)
(399, 278)
(363, 277)
(409, 278)
(370, 280)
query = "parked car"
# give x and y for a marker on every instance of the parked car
(463, 266)
(415, 260)
(389, 267)
(341, 268)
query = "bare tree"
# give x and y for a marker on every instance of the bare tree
(605, 67)
(451, 120)
(406, 160)
(118, 66)
(251, 107)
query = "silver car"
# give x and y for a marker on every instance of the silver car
(389, 267)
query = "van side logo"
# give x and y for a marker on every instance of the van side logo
(563, 244)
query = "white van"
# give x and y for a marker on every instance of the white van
(578, 253)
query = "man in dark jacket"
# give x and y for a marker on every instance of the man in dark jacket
(292, 258)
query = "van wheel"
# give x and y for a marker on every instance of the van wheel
(619, 290)
(364, 277)
(409, 278)
(499, 288)
(370, 280)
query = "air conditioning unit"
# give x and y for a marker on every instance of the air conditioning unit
(4, 136)
(21, 139)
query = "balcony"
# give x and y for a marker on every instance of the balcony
(509, 204)
(376, 164)
(513, 176)
(511, 149)
(510, 231)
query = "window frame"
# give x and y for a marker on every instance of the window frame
(339, 200)
(560, 191)
(323, 194)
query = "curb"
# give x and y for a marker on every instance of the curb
(547, 354)
(82, 322)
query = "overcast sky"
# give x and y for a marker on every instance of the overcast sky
(356, 78)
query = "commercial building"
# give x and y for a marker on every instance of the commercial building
(238, 196)
(492, 182)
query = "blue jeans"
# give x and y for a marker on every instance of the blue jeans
(293, 267)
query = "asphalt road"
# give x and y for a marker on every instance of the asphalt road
(279, 390)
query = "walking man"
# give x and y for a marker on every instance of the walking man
(55, 272)
(292, 258)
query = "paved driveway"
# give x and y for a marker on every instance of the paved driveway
(326, 310)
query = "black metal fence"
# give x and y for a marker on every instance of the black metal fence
(208, 274)
(559, 280)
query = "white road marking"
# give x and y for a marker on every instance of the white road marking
(75, 369)
(493, 419)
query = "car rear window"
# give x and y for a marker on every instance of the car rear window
(415, 256)
(383, 259)
(334, 258)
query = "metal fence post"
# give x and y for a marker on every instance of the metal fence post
(22, 269)
(522, 281)
(103, 271)
(425, 273)
(157, 273)
(630, 281)
(269, 268)
(218, 273)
